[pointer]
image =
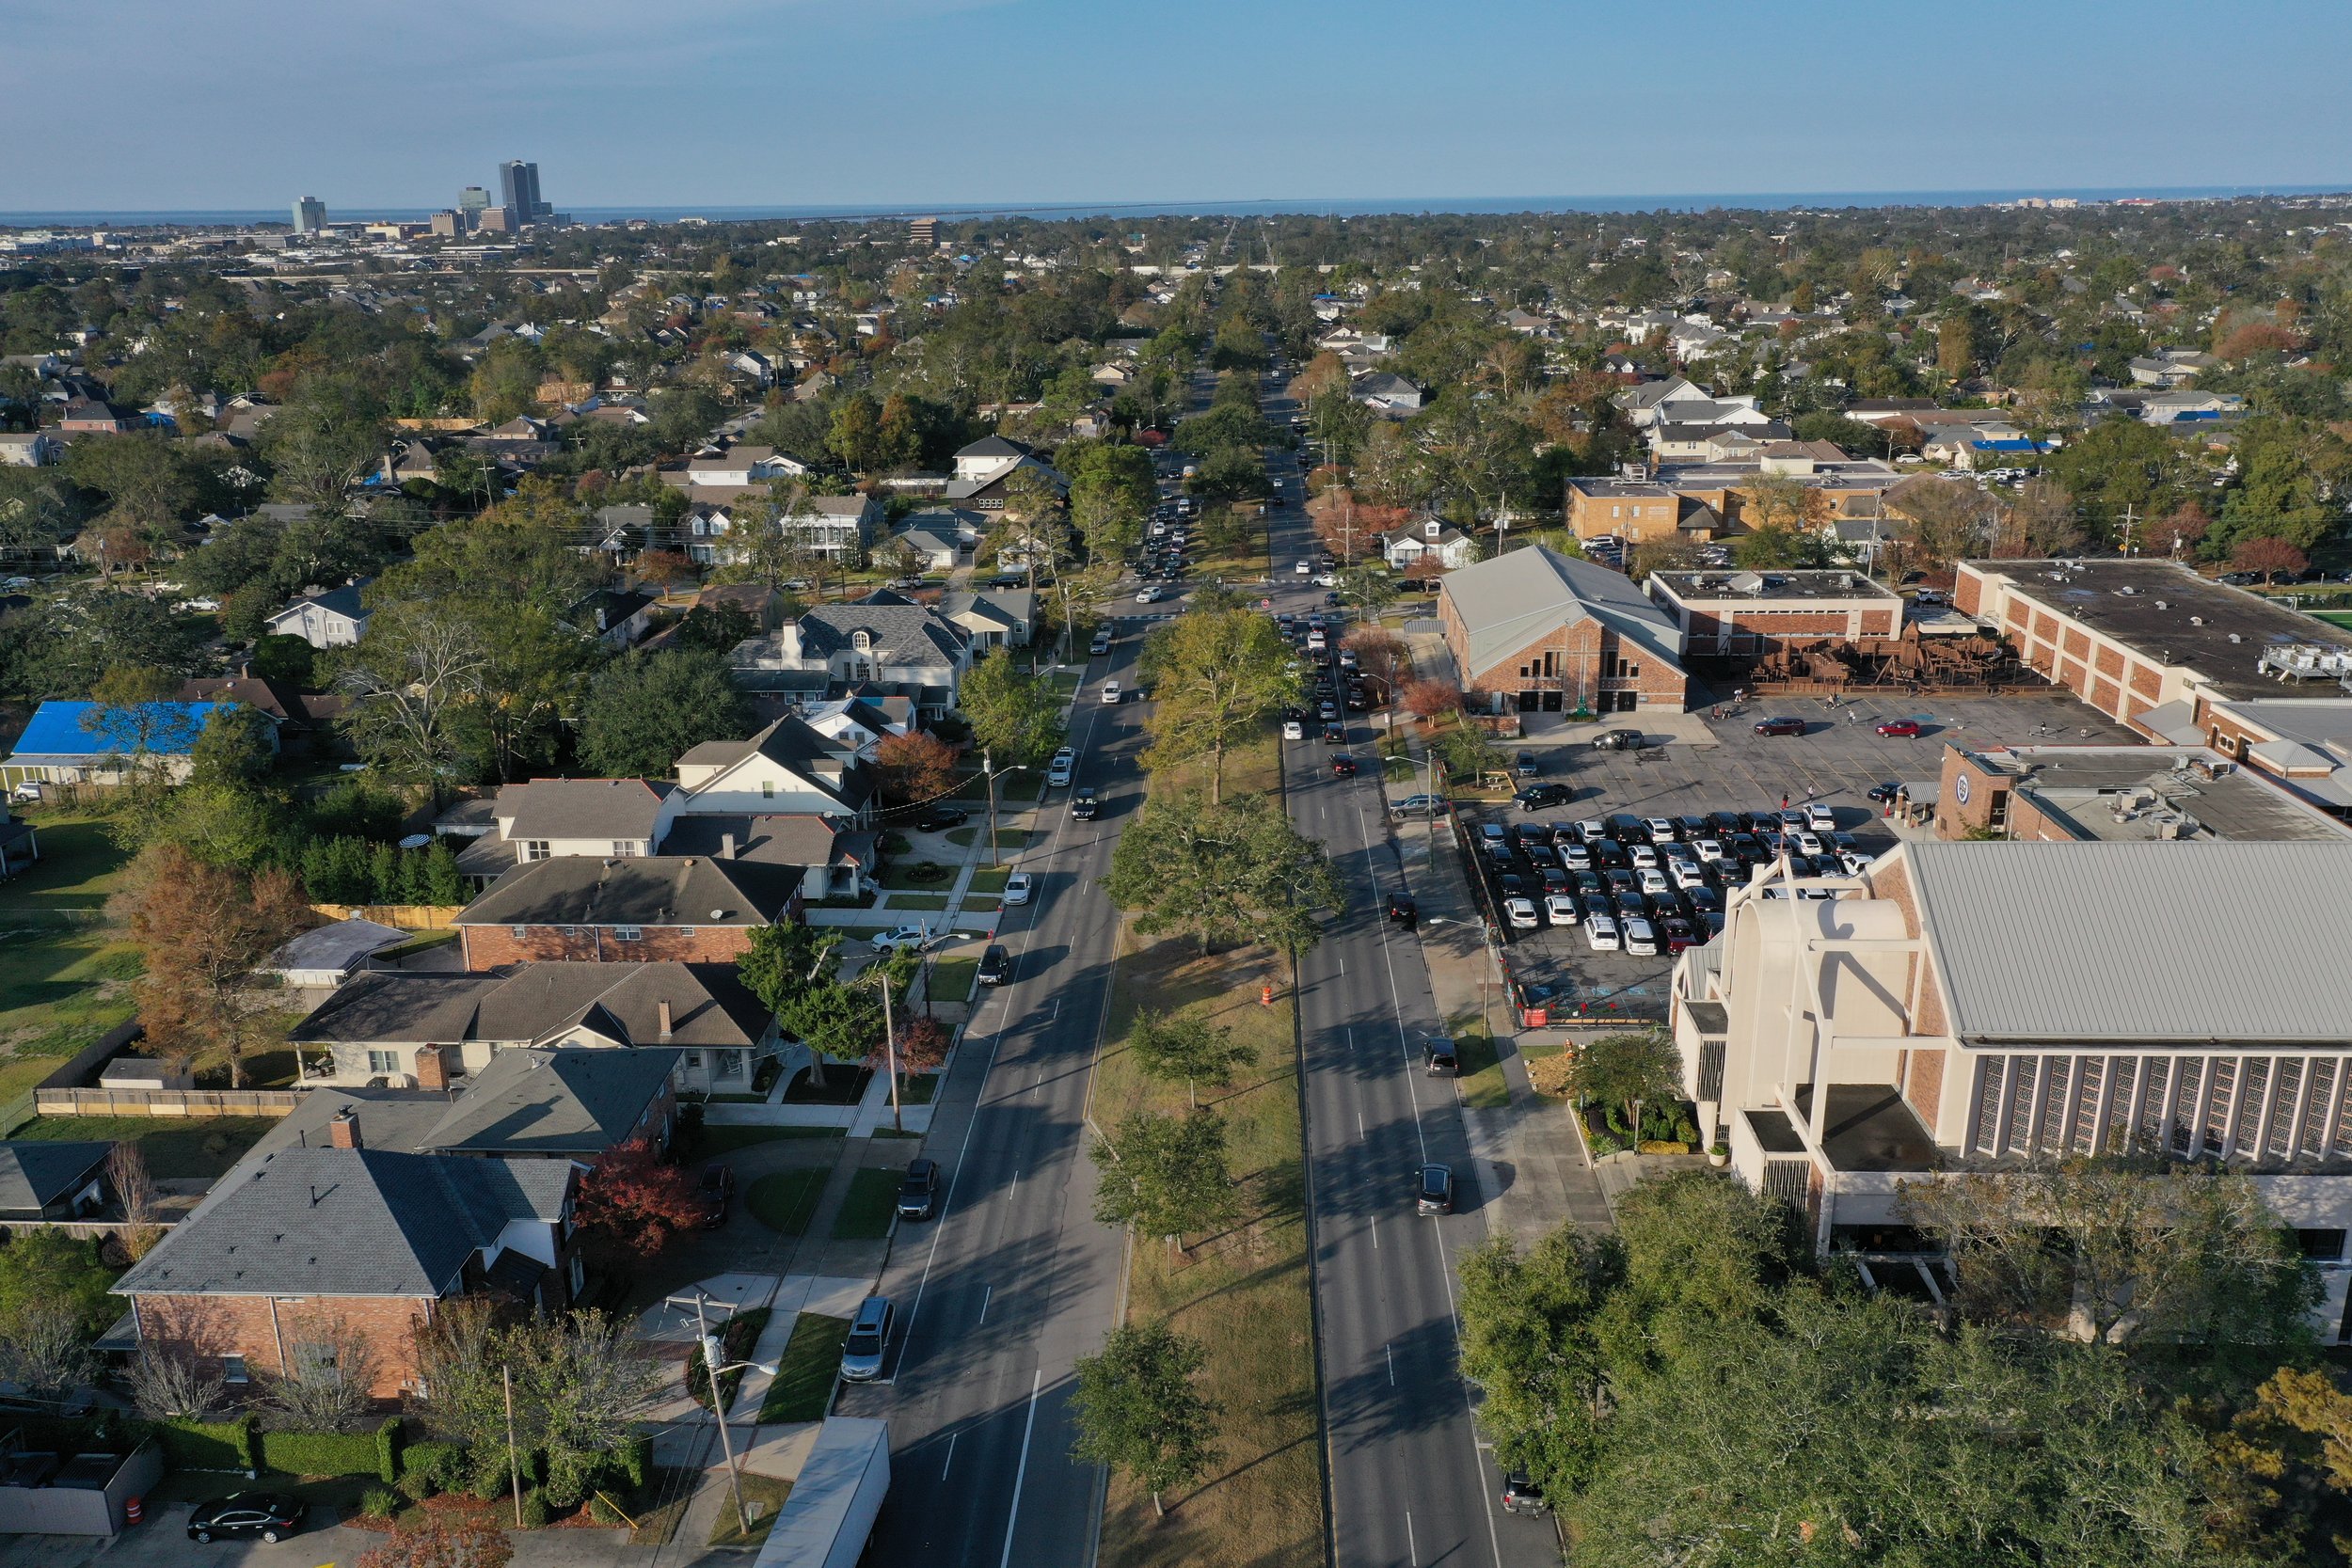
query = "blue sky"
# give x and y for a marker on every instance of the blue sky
(197, 103)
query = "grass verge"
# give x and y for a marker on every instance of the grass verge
(727, 1140)
(783, 1200)
(866, 1211)
(923, 901)
(175, 1147)
(985, 879)
(762, 1496)
(1242, 1293)
(1483, 1084)
(804, 1381)
(952, 978)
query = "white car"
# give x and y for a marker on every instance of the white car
(1110, 693)
(1852, 862)
(1687, 874)
(1654, 884)
(1293, 730)
(1561, 910)
(1660, 831)
(1600, 933)
(1808, 844)
(1305, 568)
(1522, 914)
(1148, 595)
(1641, 939)
(1644, 856)
(1018, 887)
(1711, 852)
(1058, 772)
(903, 936)
(1327, 579)
(1821, 818)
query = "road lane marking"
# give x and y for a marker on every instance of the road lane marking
(1022, 1470)
(1389, 1351)
(1410, 1544)
(939, 1230)
(1014, 1188)
(1360, 1127)
(1376, 1231)
(986, 1291)
(951, 1459)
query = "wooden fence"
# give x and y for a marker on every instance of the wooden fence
(164, 1102)
(400, 917)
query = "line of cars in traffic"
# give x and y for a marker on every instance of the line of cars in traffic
(1648, 886)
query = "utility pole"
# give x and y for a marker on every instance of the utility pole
(2128, 525)
(514, 1461)
(711, 1359)
(890, 1050)
(987, 771)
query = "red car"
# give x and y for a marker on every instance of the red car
(1905, 727)
(1780, 726)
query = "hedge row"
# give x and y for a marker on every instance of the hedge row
(241, 1445)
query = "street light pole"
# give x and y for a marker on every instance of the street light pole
(719, 1410)
(987, 771)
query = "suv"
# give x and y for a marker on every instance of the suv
(1618, 740)
(1521, 1495)
(1781, 725)
(918, 1190)
(1438, 1055)
(1100, 645)
(1538, 797)
(995, 965)
(1084, 804)
(870, 1334)
(1402, 910)
(1058, 772)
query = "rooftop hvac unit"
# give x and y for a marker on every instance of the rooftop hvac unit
(2161, 604)
(2126, 590)
(2197, 620)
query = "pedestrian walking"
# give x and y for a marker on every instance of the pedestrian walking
(1784, 799)
(1853, 717)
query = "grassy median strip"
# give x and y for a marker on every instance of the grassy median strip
(866, 1208)
(804, 1382)
(1242, 1294)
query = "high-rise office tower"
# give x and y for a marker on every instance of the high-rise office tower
(519, 190)
(310, 215)
(923, 232)
(471, 203)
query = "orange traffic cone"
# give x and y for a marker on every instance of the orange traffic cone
(1266, 996)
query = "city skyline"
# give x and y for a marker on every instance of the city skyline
(1503, 98)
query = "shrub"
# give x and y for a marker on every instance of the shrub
(379, 1502)
(602, 1511)
(321, 1453)
(389, 1438)
(534, 1510)
(195, 1445)
(417, 1485)
(489, 1484)
(636, 1458)
(441, 1464)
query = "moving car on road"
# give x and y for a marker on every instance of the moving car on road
(1343, 767)
(1084, 804)
(1433, 1189)
(1111, 692)
(995, 965)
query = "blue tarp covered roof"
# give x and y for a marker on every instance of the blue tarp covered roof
(82, 729)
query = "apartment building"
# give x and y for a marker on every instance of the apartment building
(1971, 1005)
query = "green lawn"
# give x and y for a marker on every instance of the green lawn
(866, 1211)
(174, 1146)
(1483, 1084)
(79, 860)
(803, 1382)
(2333, 617)
(988, 878)
(909, 876)
(763, 1495)
(727, 1140)
(980, 906)
(784, 1200)
(62, 987)
(917, 901)
(952, 978)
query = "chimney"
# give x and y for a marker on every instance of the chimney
(343, 1129)
(662, 1008)
(726, 846)
(432, 1068)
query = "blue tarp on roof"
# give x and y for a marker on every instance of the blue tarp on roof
(2016, 443)
(84, 729)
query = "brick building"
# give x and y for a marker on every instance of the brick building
(2140, 641)
(1748, 614)
(688, 909)
(2119, 794)
(1543, 632)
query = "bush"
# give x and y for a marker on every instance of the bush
(441, 1464)
(194, 1445)
(602, 1511)
(379, 1502)
(388, 1437)
(534, 1510)
(636, 1458)
(489, 1486)
(321, 1453)
(417, 1485)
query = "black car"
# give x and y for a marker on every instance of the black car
(995, 965)
(715, 1189)
(1438, 1055)
(942, 818)
(1881, 793)
(918, 1190)
(1335, 734)
(1781, 725)
(1402, 909)
(1343, 767)
(1618, 740)
(1433, 1189)
(1538, 797)
(262, 1515)
(1084, 804)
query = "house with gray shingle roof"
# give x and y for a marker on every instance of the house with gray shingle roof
(883, 640)
(42, 1180)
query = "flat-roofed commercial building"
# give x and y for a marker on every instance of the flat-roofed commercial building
(1975, 1005)
(2135, 636)
(1746, 614)
(2121, 794)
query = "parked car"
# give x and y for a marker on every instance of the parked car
(1522, 1496)
(1880, 793)
(714, 1191)
(1641, 937)
(1538, 797)
(869, 1336)
(1438, 1055)
(1433, 1189)
(1560, 908)
(1819, 818)
(1084, 804)
(1415, 804)
(1058, 772)
(918, 1190)
(1601, 927)
(1018, 888)
(1100, 645)
(942, 818)
(1522, 914)
(1618, 740)
(1782, 725)
(995, 965)
(255, 1515)
(897, 937)
(1402, 910)
(1904, 727)
(1524, 764)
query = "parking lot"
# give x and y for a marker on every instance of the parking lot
(1839, 759)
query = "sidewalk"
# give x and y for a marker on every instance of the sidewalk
(1531, 1166)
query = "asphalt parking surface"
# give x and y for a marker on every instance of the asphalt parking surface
(1836, 761)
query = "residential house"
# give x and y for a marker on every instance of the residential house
(1648, 403)
(326, 956)
(333, 619)
(296, 1249)
(837, 528)
(89, 743)
(1545, 632)
(1983, 1006)
(87, 415)
(883, 640)
(305, 719)
(569, 1102)
(2171, 367)
(35, 448)
(984, 470)
(43, 1181)
(1386, 393)
(992, 617)
(620, 616)
(789, 768)
(1431, 538)
(689, 907)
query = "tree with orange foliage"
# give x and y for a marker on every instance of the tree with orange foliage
(1429, 699)
(204, 931)
(914, 766)
(632, 1202)
(2269, 556)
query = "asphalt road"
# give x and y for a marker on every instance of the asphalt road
(1014, 1279)
(1410, 1485)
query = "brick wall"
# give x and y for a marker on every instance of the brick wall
(491, 946)
(1924, 1085)
(257, 1328)
(1585, 654)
